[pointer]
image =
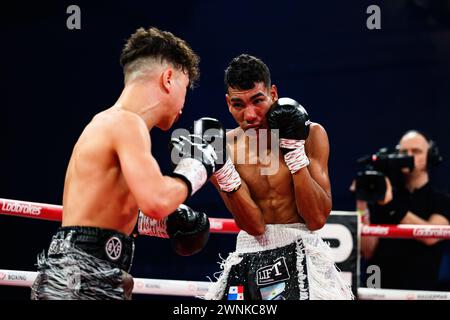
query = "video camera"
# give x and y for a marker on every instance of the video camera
(370, 183)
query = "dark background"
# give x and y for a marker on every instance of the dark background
(366, 87)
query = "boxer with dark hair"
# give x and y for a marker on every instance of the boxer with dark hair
(278, 255)
(112, 174)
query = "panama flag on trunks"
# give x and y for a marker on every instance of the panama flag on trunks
(236, 293)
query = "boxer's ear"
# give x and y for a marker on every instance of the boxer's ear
(274, 92)
(167, 79)
(227, 98)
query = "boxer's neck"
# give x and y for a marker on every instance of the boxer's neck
(144, 100)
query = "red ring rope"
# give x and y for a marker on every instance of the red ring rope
(54, 212)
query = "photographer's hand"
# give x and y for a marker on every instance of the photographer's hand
(388, 195)
(395, 204)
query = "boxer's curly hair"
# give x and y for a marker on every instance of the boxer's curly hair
(163, 45)
(244, 70)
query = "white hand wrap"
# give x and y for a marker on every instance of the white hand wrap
(152, 227)
(193, 171)
(295, 159)
(227, 177)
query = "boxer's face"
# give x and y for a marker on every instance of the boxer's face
(179, 84)
(249, 107)
(414, 144)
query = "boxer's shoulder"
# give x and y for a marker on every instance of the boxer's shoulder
(120, 122)
(316, 126)
(317, 143)
(114, 116)
(316, 132)
(110, 129)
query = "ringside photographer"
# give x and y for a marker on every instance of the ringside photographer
(395, 188)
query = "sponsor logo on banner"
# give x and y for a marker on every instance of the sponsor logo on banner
(376, 230)
(218, 225)
(18, 207)
(431, 232)
(16, 277)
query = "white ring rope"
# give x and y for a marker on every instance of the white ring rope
(396, 294)
(199, 288)
(18, 278)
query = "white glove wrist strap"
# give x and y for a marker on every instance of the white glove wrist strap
(295, 159)
(227, 177)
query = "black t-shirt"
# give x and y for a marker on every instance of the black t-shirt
(409, 263)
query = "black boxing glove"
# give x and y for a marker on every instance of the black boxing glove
(194, 160)
(212, 132)
(187, 229)
(292, 121)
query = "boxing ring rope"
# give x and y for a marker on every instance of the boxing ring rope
(17, 278)
(51, 212)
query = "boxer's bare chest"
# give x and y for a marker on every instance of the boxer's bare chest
(269, 181)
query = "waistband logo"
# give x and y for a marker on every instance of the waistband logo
(113, 248)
